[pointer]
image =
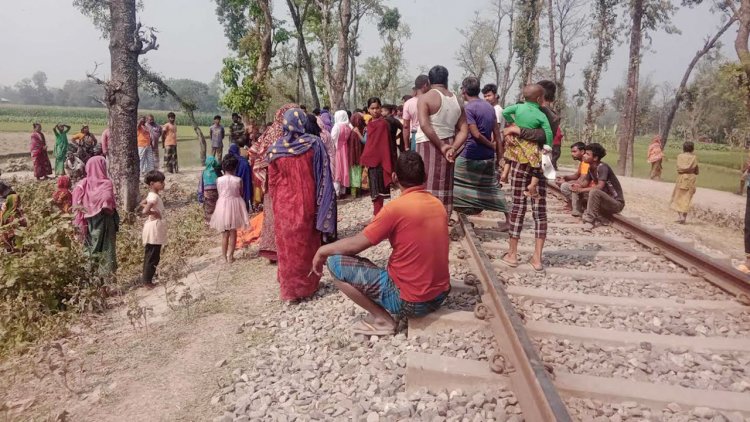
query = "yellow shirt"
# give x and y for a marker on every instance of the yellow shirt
(583, 168)
(170, 134)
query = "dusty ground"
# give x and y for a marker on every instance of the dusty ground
(172, 367)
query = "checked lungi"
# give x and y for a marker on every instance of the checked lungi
(520, 177)
(439, 173)
(476, 185)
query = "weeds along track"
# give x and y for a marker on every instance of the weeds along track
(625, 323)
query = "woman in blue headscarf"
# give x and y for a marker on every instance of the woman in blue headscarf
(245, 173)
(208, 193)
(304, 204)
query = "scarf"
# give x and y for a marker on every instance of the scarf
(62, 196)
(259, 149)
(95, 192)
(296, 142)
(210, 173)
(655, 152)
(244, 172)
(354, 142)
(687, 161)
(377, 152)
(11, 209)
(325, 116)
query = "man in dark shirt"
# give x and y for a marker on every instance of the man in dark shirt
(605, 194)
(395, 127)
(237, 130)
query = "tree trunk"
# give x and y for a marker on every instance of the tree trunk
(741, 45)
(338, 84)
(552, 53)
(122, 98)
(680, 94)
(630, 109)
(506, 84)
(307, 61)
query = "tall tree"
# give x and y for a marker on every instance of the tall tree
(360, 10)
(479, 42)
(300, 11)
(504, 83)
(646, 15)
(526, 41)
(569, 21)
(710, 43)
(604, 32)
(551, 28)
(128, 40)
(335, 71)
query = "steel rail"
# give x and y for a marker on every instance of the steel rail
(697, 263)
(530, 382)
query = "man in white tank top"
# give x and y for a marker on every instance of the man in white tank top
(441, 122)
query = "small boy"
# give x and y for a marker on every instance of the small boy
(527, 115)
(155, 228)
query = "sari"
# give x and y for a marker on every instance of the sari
(304, 204)
(208, 193)
(328, 142)
(61, 150)
(378, 157)
(354, 149)
(62, 197)
(96, 215)
(258, 153)
(340, 133)
(42, 165)
(684, 187)
(655, 156)
(245, 173)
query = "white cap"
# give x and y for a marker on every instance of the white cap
(547, 147)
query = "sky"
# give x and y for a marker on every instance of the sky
(52, 36)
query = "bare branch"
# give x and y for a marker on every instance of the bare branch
(100, 101)
(92, 75)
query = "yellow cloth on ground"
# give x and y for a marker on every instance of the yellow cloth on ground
(684, 187)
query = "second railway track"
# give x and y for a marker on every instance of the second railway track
(624, 324)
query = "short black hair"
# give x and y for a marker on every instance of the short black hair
(688, 146)
(170, 114)
(390, 107)
(311, 126)
(471, 85)
(372, 100)
(229, 163)
(349, 113)
(438, 75)
(410, 169)
(316, 111)
(421, 81)
(303, 107)
(406, 98)
(235, 115)
(597, 150)
(154, 176)
(490, 88)
(580, 145)
(217, 117)
(550, 89)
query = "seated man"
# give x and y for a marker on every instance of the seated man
(565, 182)
(605, 194)
(417, 280)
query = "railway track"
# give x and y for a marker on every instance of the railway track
(626, 323)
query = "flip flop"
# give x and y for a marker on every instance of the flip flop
(743, 268)
(539, 269)
(510, 264)
(365, 328)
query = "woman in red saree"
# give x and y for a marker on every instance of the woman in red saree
(304, 204)
(42, 165)
(378, 156)
(267, 245)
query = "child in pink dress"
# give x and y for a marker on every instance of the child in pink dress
(230, 213)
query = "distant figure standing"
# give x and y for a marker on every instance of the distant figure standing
(154, 132)
(86, 143)
(145, 152)
(411, 113)
(216, 132)
(38, 147)
(169, 141)
(489, 92)
(61, 147)
(237, 130)
(655, 156)
(684, 186)
(154, 228)
(745, 267)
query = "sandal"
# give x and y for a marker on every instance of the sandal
(539, 269)
(365, 328)
(743, 268)
(508, 263)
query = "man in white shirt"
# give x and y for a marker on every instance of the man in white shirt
(490, 95)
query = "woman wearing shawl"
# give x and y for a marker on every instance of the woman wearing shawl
(62, 197)
(94, 199)
(10, 213)
(245, 173)
(655, 155)
(304, 204)
(208, 193)
(353, 150)
(42, 166)
(267, 245)
(340, 133)
(61, 147)
(378, 156)
(684, 187)
(328, 141)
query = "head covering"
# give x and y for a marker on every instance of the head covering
(341, 116)
(95, 192)
(325, 116)
(244, 172)
(11, 209)
(210, 173)
(259, 149)
(656, 139)
(377, 151)
(63, 182)
(296, 142)
(354, 144)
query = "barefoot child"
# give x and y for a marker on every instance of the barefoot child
(155, 228)
(230, 213)
(527, 115)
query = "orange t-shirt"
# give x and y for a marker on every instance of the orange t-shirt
(416, 225)
(144, 138)
(583, 168)
(170, 134)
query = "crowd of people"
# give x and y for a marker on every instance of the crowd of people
(279, 183)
